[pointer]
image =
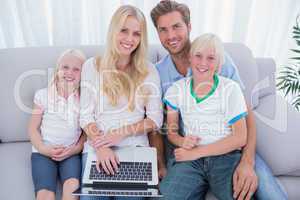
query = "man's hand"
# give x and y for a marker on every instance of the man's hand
(162, 172)
(190, 141)
(245, 181)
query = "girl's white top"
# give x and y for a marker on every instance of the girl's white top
(60, 120)
(95, 106)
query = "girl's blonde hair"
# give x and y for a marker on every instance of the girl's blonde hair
(115, 82)
(73, 52)
(209, 41)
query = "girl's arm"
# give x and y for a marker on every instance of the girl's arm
(79, 145)
(34, 129)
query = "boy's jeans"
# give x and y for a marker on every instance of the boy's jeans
(191, 179)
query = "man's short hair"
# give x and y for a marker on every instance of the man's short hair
(166, 6)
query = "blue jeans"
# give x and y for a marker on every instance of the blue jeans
(268, 187)
(191, 180)
(84, 157)
(46, 172)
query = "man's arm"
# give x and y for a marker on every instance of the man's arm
(244, 179)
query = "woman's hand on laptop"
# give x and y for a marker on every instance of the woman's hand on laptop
(108, 160)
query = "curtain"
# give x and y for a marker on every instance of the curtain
(265, 26)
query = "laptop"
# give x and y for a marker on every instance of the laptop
(137, 175)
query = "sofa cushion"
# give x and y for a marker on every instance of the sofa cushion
(15, 171)
(291, 184)
(247, 67)
(266, 74)
(278, 134)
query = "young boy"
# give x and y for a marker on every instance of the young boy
(213, 111)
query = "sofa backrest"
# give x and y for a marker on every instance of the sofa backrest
(24, 70)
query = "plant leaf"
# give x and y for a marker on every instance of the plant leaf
(295, 58)
(287, 91)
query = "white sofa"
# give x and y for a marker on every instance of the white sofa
(24, 70)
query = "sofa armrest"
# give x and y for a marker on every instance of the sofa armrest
(266, 76)
(278, 135)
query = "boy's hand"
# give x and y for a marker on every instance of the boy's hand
(190, 141)
(182, 154)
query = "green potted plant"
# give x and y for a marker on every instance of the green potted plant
(289, 76)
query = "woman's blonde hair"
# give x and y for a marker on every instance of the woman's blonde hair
(209, 41)
(73, 52)
(116, 83)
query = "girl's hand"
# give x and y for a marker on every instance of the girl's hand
(190, 141)
(108, 140)
(51, 151)
(108, 160)
(66, 153)
(182, 154)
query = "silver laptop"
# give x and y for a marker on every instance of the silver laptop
(137, 175)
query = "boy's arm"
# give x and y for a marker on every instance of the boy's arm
(245, 180)
(232, 142)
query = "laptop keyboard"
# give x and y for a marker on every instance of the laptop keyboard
(118, 193)
(128, 171)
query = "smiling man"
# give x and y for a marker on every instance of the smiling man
(172, 22)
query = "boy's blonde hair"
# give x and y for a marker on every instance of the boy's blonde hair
(117, 83)
(209, 41)
(74, 52)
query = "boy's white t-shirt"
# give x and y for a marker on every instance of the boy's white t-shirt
(211, 117)
(60, 120)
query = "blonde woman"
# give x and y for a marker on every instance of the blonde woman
(121, 95)
(54, 130)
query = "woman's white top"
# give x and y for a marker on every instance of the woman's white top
(60, 120)
(95, 106)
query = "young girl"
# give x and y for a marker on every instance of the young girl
(121, 100)
(213, 110)
(54, 130)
